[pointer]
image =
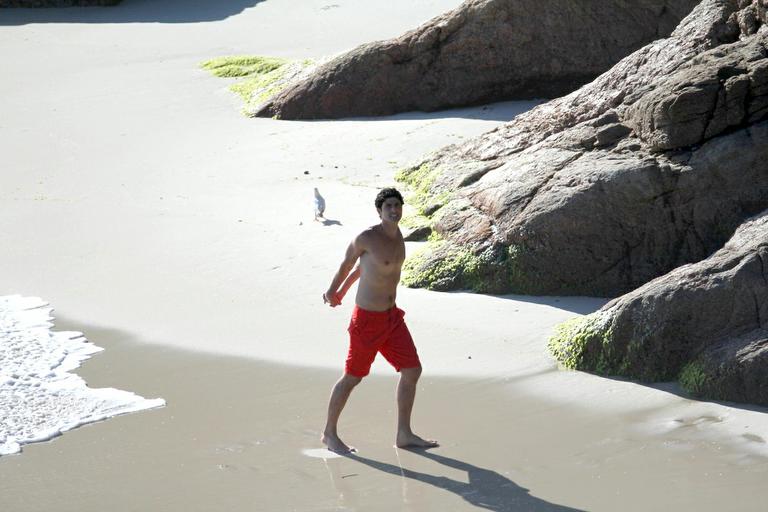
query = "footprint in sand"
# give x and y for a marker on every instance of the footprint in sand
(754, 438)
(697, 421)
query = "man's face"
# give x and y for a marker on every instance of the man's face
(391, 210)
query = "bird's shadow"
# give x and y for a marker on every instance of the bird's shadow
(484, 488)
(331, 222)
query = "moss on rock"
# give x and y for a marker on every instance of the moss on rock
(522, 280)
(694, 378)
(586, 343)
(421, 193)
(414, 220)
(438, 266)
(263, 77)
(258, 89)
(442, 265)
(494, 269)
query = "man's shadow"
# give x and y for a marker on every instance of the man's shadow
(485, 489)
(330, 222)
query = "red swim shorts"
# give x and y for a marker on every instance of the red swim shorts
(379, 331)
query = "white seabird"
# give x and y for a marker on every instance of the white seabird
(319, 205)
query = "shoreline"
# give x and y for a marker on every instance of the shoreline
(204, 451)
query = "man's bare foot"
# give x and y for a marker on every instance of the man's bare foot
(335, 444)
(411, 440)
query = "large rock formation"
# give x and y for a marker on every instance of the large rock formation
(651, 166)
(485, 50)
(705, 324)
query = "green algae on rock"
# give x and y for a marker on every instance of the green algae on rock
(693, 378)
(263, 77)
(454, 267)
(585, 343)
(443, 265)
(422, 194)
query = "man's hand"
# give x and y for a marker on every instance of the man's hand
(332, 299)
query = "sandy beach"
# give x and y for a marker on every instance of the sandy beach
(178, 235)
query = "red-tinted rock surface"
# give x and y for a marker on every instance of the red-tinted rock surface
(651, 166)
(484, 50)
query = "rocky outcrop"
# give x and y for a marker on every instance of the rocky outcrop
(651, 166)
(732, 369)
(485, 50)
(705, 324)
(718, 90)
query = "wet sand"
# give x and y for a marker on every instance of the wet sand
(177, 235)
(235, 433)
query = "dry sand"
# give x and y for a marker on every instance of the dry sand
(178, 235)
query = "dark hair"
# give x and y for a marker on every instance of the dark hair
(385, 194)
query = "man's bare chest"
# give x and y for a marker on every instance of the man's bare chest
(386, 257)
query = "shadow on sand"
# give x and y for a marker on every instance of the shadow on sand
(131, 11)
(575, 304)
(500, 111)
(485, 489)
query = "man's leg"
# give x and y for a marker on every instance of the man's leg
(406, 395)
(336, 403)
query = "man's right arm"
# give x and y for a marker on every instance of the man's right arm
(351, 278)
(355, 249)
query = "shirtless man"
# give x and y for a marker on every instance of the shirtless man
(377, 325)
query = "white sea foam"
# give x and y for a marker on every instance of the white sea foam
(39, 398)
